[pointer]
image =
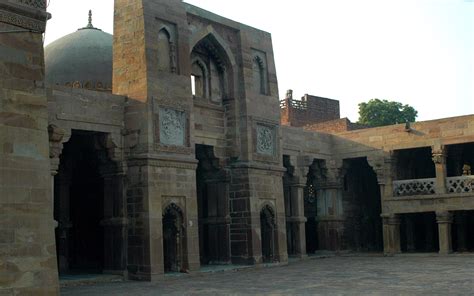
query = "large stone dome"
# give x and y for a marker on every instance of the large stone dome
(82, 59)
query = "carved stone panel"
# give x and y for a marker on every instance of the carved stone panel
(265, 140)
(172, 127)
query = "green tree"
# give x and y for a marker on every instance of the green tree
(382, 112)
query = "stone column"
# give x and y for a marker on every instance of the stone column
(444, 220)
(385, 169)
(115, 221)
(298, 219)
(391, 234)
(439, 159)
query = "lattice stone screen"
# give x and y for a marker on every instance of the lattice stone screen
(41, 4)
(463, 184)
(414, 187)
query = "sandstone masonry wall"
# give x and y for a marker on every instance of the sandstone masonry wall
(27, 244)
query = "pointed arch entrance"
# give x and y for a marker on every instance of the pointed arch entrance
(173, 238)
(268, 234)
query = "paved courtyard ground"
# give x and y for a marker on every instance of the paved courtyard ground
(347, 275)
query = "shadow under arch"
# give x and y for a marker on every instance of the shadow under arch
(209, 32)
(173, 238)
(268, 229)
(222, 53)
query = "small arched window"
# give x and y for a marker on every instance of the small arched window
(166, 52)
(199, 79)
(259, 76)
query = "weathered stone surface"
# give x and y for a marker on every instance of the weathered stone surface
(409, 275)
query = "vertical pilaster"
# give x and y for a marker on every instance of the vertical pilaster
(439, 159)
(298, 219)
(330, 216)
(391, 234)
(115, 221)
(445, 221)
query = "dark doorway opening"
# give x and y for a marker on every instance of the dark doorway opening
(314, 182)
(463, 240)
(213, 208)
(268, 229)
(173, 239)
(363, 207)
(79, 206)
(419, 232)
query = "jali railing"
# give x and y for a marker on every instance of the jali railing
(462, 184)
(414, 187)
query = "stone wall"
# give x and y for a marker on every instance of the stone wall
(27, 246)
(334, 126)
(444, 131)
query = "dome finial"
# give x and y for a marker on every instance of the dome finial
(89, 25)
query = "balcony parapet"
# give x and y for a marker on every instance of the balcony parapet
(461, 184)
(414, 187)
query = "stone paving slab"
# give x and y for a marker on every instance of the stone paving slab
(347, 275)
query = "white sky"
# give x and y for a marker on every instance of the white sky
(418, 52)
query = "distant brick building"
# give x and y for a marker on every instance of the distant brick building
(314, 113)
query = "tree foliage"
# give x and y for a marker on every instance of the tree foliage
(382, 112)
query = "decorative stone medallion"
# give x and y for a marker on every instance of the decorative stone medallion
(172, 127)
(265, 140)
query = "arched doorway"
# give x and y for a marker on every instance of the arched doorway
(268, 229)
(213, 208)
(79, 205)
(173, 238)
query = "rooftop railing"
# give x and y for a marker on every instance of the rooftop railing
(295, 104)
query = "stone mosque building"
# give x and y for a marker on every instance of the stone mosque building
(112, 161)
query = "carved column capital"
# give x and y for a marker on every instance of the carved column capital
(438, 154)
(390, 219)
(444, 217)
(57, 138)
(439, 157)
(384, 166)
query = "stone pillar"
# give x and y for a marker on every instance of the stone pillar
(385, 168)
(115, 221)
(439, 159)
(445, 221)
(330, 211)
(391, 234)
(298, 219)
